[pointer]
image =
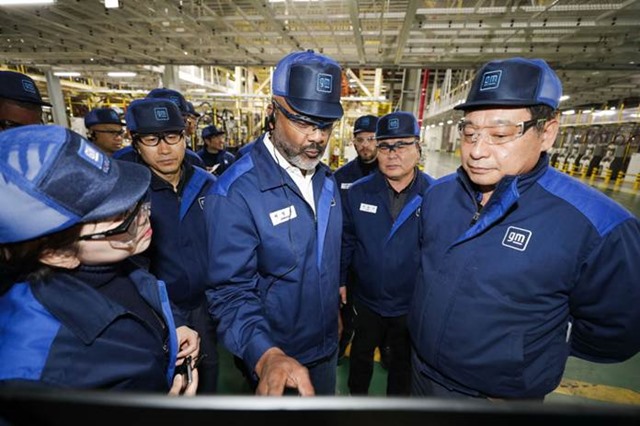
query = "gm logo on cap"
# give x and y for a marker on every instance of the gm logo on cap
(94, 156)
(365, 121)
(394, 123)
(491, 80)
(28, 86)
(324, 83)
(161, 113)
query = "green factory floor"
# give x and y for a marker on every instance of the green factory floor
(583, 382)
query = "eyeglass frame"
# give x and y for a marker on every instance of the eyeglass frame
(161, 137)
(325, 127)
(363, 140)
(143, 205)
(524, 128)
(388, 148)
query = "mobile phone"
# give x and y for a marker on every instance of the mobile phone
(189, 374)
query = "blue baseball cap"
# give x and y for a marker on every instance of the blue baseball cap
(53, 178)
(102, 116)
(173, 95)
(399, 124)
(150, 115)
(366, 123)
(191, 110)
(514, 82)
(310, 83)
(210, 131)
(20, 87)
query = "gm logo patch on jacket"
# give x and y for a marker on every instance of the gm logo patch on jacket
(516, 238)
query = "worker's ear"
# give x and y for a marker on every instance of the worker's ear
(60, 258)
(549, 134)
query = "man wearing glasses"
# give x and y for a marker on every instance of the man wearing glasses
(364, 140)
(105, 129)
(274, 225)
(20, 101)
(521, 265)
(178, 250)
(380, 243)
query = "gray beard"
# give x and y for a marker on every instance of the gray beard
(295, 155)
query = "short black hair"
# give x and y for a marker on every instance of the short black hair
(542, 112)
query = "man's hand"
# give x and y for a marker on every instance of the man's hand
(277, 371)
(188, 343)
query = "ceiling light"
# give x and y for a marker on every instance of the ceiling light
(112, 4)
(564, 97)
(24, 2)
(122, 74)
(66, 74)
(569, 112)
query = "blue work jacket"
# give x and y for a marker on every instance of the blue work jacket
(223, 158)
(64, 333)
(352, 171)
(178, 250)
(549, 269)
(274, 264)
(383, 253)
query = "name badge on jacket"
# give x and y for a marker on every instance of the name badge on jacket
(283, 215)
(368, 208)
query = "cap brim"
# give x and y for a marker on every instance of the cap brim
(400, 135)
(319, 109)
(27, 100)
(133, 182)
(488, 104)
(150, 130)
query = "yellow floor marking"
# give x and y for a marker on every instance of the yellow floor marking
(598, 392)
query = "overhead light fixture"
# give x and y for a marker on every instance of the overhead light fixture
(564, 97)
(569, 112)
(66, 74)
(24, 2)
(122, 74)
(112, 4)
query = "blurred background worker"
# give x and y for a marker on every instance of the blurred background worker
(75, 311)
(178, 251)
(521, 265)
(105, 129)
(191, 126)
(380, 242)
(366, 162)
(216, 158)
(274, 224)
(20, 100)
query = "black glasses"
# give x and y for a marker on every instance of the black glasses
(305, 125)
(8, 124)
(153, 139)
(399, 147)
(127, 230)
(112, 132)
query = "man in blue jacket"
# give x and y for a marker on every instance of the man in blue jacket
(105, 129)
(178, 251)
(364, 140)
(20, 100)
(380, 242)
(521, 266)
(214, 155)
(274, 226)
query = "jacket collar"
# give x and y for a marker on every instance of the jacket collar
(271, 175)
(516, 185)
(81, 308)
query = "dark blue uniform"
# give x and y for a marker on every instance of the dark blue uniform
(63, 332)
(223, 159)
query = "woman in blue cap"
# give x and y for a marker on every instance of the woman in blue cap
(75, 311)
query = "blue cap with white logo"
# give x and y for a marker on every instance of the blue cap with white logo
(310, 83)
(145, 116)
(173, 95)
(399, 124)
(366, 123)
(102, 116)
(51, 178)
(20, 87)
(515, 82)
(210, 131)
